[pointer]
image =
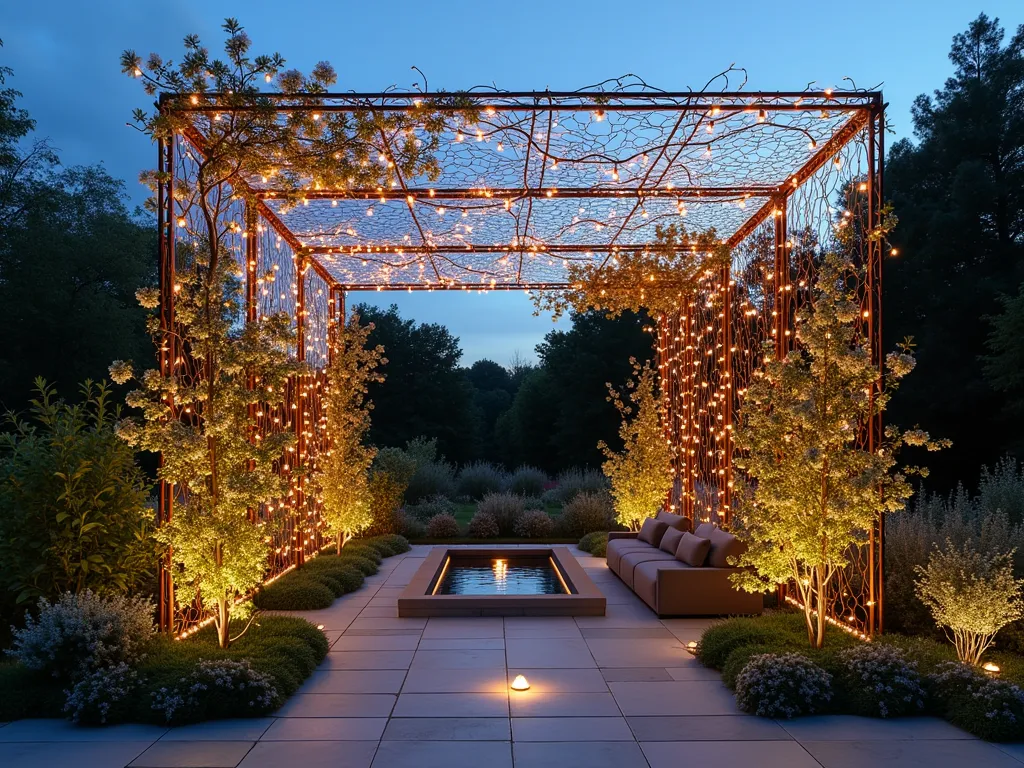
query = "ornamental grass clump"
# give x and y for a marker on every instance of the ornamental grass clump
(785, 686)
(971, 596)
(527, 481)
(879, 681)
(479, 479)
(534, 524)
(586, 513)
(430, 507)
(82, 633)
(482, 526)
(217, 689)
(443, 527)
(988, 708)
(505, 508)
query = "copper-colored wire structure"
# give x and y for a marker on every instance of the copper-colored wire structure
(542, 180)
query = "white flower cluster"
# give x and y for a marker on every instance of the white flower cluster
(213, 682)
(900, 363)
(999, 702)
(120, 371)
(883, 675)
(91, 698)
(786, 685)
(82, 633)
(148, 297)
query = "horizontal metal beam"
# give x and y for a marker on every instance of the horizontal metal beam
(425, 195)
(366, 252)
(459, 286)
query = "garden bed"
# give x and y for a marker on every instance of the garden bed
(892, 675)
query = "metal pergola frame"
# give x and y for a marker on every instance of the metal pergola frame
(790, 208)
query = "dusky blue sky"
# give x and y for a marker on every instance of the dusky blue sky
(65, 57)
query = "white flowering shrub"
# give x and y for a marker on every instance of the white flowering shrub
(786, 685)
(217, 689)
(880, 681)
(443, 527)
(990, 709)
(82, 633)
(91, 699)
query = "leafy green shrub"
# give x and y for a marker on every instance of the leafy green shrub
(527, 481)
(572, 482)
(217, 689)
(479, 479)
(443, 527)
(720, 640)
(364, 565)
(505, 508)
(585, 513)
(971, 595)
(990, 709)
(356, 549)
(482, 526)
(411, 528)
(534, 524)
(73, 500)
(431, 478)
(81, 633)
(989, 521)
(297, 592)
(534, 502)
(879, 681)
(595, 542)
(387, 546)
(431, 507)
(782, 686)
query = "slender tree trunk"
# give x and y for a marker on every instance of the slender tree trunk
(341, 541)
(223, 622)
(820, 597)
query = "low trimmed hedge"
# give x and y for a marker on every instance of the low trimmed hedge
(285, 648)
(596, 543)
(989, 708)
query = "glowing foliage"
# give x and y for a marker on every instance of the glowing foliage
(655, 279)
(640, 474)
(814, 491)
(972, 595)
(342, 475)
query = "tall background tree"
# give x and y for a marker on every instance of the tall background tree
(958, 190)
(72, 254)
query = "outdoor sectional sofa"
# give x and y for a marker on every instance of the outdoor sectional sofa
(678, 573)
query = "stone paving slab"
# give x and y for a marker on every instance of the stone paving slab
(420, 680)
(193, 754)
(94, 754)
(570, 729)
(728, 754)
(311, 754)
(326, 729)
(707, 728)
(443, 754)
(242, 729)
(355, 681)
(448, 729)
(919, 753)
(620, 754)
(452, 704)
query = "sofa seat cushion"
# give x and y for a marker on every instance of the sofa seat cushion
(630, 560)
(645, 579)
(675, 521)
(618, 547)
(651, 531)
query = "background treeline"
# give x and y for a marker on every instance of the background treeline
(72, 253)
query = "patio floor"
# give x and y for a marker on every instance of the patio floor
(618, 690)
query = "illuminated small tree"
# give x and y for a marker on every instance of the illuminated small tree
(640, 474)
(971, 595)
(814, 492)
(342, 475)
(203, 414)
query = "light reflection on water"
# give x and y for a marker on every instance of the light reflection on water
(500, 576)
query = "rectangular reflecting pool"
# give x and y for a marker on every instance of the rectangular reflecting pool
(512, 575)
(506, 581)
